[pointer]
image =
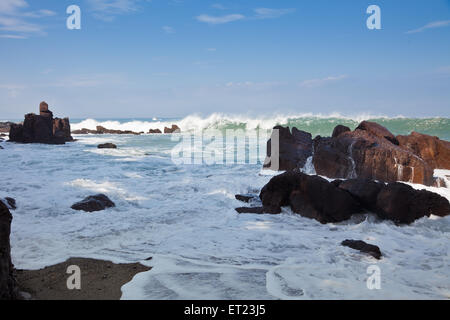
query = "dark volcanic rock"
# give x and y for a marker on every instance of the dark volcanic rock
(174, 129)
(154, 131)
(403, 204)
(107, 146)
(310, 196)
(244, 198)
(103, 130)
(8, 285)
(253, 210)
(378, 130)
(432, 150)
(10, 203)
(363, 190)
(294, 149)
(94, 203)
(371, 249)
(5, 127)
(41, 128)
(339, 129)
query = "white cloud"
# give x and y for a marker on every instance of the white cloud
(267, 13)
(106, 10)
(431, 25)
(220, 19)
(168, 29)
(312, 83)
(15, 20)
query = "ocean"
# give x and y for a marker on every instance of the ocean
(183, 216)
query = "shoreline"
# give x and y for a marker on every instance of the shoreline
(100, 280)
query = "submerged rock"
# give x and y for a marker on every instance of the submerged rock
(245, 198)
(8, 285)
(370, 249)
(254, 210)
(107, 146)
(94, 203)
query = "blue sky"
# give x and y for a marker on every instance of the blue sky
(171, 58)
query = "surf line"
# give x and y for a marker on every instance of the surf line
(193, 310)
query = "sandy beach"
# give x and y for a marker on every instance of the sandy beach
(100, 280)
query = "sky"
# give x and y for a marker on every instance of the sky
(172, 58)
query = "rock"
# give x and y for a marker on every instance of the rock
(174, 129)
(306, 195)
(1, 147)
(41, 128)
(94, 203)
(154, 131)
(253, 210)
(339, 129)
(8, 285)
(61, 129)
(371, 249)
(318, 199)
(5, 127)
(364, 191)
(435, 152)
(103, 130)
(364, 155)
(378, 130)
(403, 204)
(244, 198)
(10, 203)
(294, 149)
(107, 146)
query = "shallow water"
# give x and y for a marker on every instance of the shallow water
(183, 216)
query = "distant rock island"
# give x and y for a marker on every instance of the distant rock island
(42, 128)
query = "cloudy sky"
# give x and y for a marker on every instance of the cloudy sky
(171, 58)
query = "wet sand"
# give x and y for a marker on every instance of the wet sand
(100, 280)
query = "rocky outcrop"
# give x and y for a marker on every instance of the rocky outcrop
(435, 152)
(403, 204)
(377, 130)
(8, 285)
(364, 247)
(173, 129)
(5, 126)
(368, 152)
(41, 128)
(10, 203)
(339, 129)
(154, 131)
(103, 130)
(94, 203)
(294, 149)
(306, 196)
(253, 210)
(107, 146)
(316, 198)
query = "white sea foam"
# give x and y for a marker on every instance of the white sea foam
(184, 217)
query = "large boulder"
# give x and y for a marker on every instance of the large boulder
(339, 129)
(294, 149)
(435, 152)
(403, 204)
(378, 130)
(306, 196)
(5, 126)
(8, 285)
(93, 203)
(41, 128)
(173, 129)
(364, 191)
(107, 146)
(362, 154)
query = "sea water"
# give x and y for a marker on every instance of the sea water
(183, 216)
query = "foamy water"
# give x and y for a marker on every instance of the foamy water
(184, 217)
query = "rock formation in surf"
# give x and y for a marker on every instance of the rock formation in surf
(93, 203)
(369, 152)
(8, 285)
(316, 198)
(103, 130)
(42, 128)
